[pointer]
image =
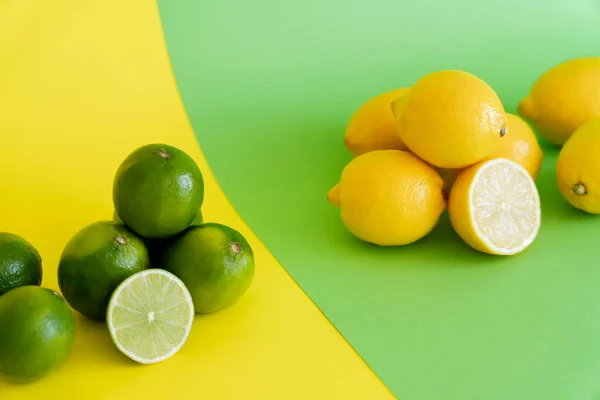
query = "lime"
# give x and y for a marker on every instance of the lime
(20, 263)
(197, 220)
(95, 261)
(37, 330)
(158, 190)
(150, 316)
(214, 261)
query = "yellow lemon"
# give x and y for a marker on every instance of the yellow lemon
(564, 98)
(494, 207)
(578, 168)
(451, 119)
(389, 197)
(373, 126)
(520, 146)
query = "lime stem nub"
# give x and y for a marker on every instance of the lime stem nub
(503, 131)
(121, 240)
(235, 247)
(164, 154)
(579, 189)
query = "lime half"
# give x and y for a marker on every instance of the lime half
(150, 316)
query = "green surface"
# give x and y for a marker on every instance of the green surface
(269, 86)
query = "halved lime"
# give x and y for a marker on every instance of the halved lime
(150, 316)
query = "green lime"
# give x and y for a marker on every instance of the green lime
(158, 190)
(95, 261)
(150, 316)
(37, 330)
(198, 220)
(20, 263)
(215, 262)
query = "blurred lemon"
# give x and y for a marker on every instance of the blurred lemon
(494, 207)
(564, 98)
(451, 119)
(389, 197)
(578, 168)
(373, 126)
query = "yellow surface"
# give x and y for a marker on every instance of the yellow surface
(82, 83)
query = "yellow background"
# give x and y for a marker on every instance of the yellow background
(83, 83)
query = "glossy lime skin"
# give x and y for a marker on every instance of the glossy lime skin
(37, 330)
(95, 261)
(20, 263)
(158, 190)
(214, 261)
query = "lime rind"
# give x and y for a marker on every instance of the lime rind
(150, 316)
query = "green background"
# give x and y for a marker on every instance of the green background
(269, 86)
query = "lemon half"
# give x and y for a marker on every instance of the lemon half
(494, 206)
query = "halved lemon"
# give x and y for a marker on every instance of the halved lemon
(494, 207)
(150, 316)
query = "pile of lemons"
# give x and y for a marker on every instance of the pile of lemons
(447, 142)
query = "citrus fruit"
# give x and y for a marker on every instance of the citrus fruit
(520, 146)
(37, 330)
(215, 262)
(494, 207)
(197, 220)
(578, 168)
(20, 263)
(373, 126)
(158, 190)
(95, 261)
(389, 197)
(564, 98)
(450, 119)
(150, 316)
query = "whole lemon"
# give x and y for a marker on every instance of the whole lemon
(451, 119)
(578, 168)
(564, 98)
(520, 146)
(373, 126)
(389, 197)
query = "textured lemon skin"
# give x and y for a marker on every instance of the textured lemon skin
(459, 208)
(564, 98)
(579, 163)
(373, 125)
(520, 146)
(389, 197)
(451, 119)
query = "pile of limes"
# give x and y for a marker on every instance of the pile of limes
(146, 272)
(447, 142)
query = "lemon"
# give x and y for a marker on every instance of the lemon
(20, 263)
(95, 261)
(564, 98)
(373, 126)
(520, 146)
(215, 262)
(450, 119)
(158, 190)
(37, 330)
(150, 316)
(389, 197)
(578, 168)
(494, 207)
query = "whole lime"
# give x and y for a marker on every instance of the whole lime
(20, 263)
(95, 261)
(158, 190)
(214, 261)
(37, 330)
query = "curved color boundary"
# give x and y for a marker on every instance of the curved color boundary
(83, 84)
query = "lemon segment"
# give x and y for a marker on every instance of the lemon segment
(150, 316)
(495, 208)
